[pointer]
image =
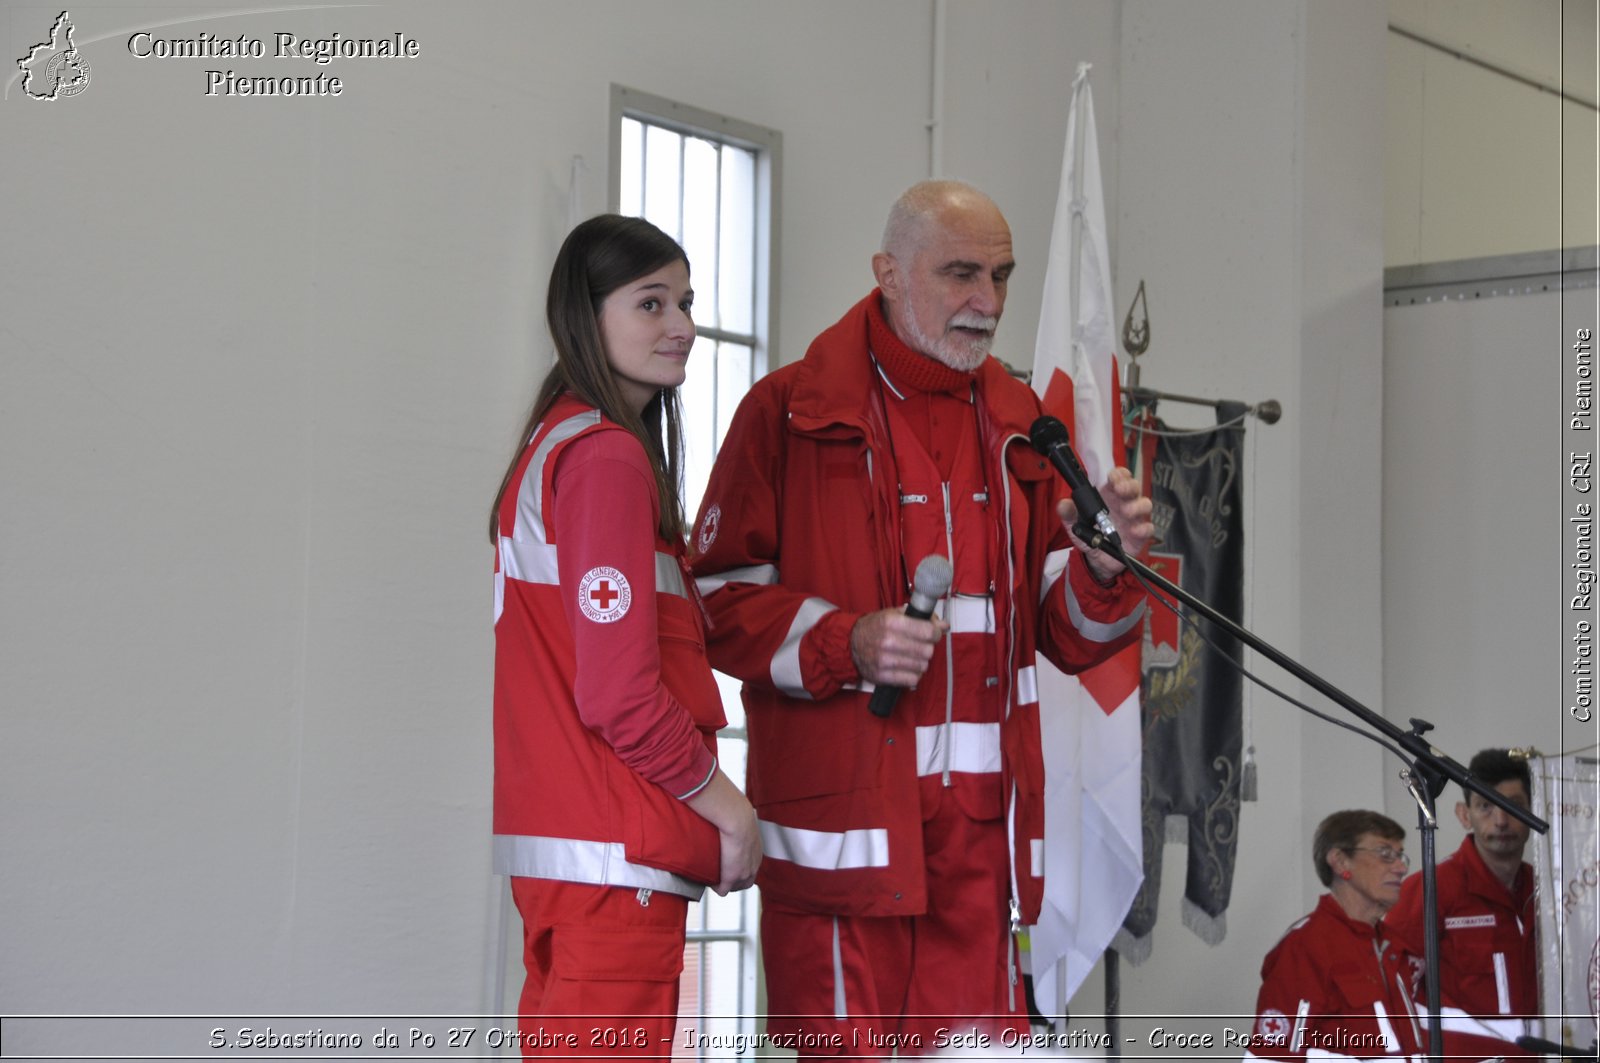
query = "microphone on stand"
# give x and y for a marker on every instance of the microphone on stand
(1049, 437)
(929, 583)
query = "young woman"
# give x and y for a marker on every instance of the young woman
(610, 812)
(1335, 987)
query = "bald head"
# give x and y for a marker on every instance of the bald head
(924, 208)
(943, 271)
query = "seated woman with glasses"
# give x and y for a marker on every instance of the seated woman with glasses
(1334, 987)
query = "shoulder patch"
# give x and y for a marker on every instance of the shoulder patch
(709, 525)
(604, 595)
(1273, 1026)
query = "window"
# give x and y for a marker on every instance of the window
(710, 182)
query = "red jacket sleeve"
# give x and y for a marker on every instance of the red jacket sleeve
(1291, 990)
(604, 522)
(763, 632)
(1082, 622)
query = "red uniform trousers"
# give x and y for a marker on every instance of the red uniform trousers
(602, 969)
(882, 983)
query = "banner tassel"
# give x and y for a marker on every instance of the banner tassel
(1247, 775)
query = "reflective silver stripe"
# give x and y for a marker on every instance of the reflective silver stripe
(971, 747)
(575, 860)
(1323, 1053)
(766, 575)
(1036, 857)
(786, 662)
(669, 575)
(885, 376)
(1454, 1020)
(537, 563)
(1296, 1041)
(1391, 1043)
(1013, 695)
(826, 850)
(531, 561)
(703, 783)
(1411, 1011)
(969, 614)
(1011, 971)
(527, 554)
(1027, 685)
(1094, 630)
(1055, 564)
(499, 594)
(840, 1010)
(1502, 983)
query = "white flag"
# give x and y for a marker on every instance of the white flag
(1566, 793)
(1094, 854)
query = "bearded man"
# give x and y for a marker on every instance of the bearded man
(903, 853)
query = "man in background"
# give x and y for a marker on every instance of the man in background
(1488, 962)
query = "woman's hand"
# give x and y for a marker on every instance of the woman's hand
(722, 805)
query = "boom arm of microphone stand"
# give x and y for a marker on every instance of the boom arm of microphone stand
(1427, 772)
(1411, 741)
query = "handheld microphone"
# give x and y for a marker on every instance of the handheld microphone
(929, 583)
(1049, 437)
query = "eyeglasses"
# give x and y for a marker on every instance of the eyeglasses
(1383, 853)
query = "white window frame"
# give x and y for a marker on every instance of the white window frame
(767, 146)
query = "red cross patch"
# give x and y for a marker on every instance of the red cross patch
(709, 526)
(1273, 1026)
(604, 595)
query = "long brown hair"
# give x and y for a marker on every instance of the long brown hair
(598, 257)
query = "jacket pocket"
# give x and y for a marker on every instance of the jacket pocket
(685, 671)
(622, 954)
(660, 831)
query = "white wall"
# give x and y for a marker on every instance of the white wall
(1473, 493)
(1478, 163)
(261, 361)
(1249, 170)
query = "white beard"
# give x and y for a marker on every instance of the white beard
(954, 349)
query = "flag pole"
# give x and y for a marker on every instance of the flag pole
(1078, 121)
(1113, 973)
(1097, 810)
(1072, 306)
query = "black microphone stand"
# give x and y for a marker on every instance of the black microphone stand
(1426, 774)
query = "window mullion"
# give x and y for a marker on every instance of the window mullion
(726, 937)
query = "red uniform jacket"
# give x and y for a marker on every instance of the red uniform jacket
(1333, 988)
(800, 523)
(1488, 958)
(605, 708)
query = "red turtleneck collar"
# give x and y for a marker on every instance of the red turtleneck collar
(906, 366)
